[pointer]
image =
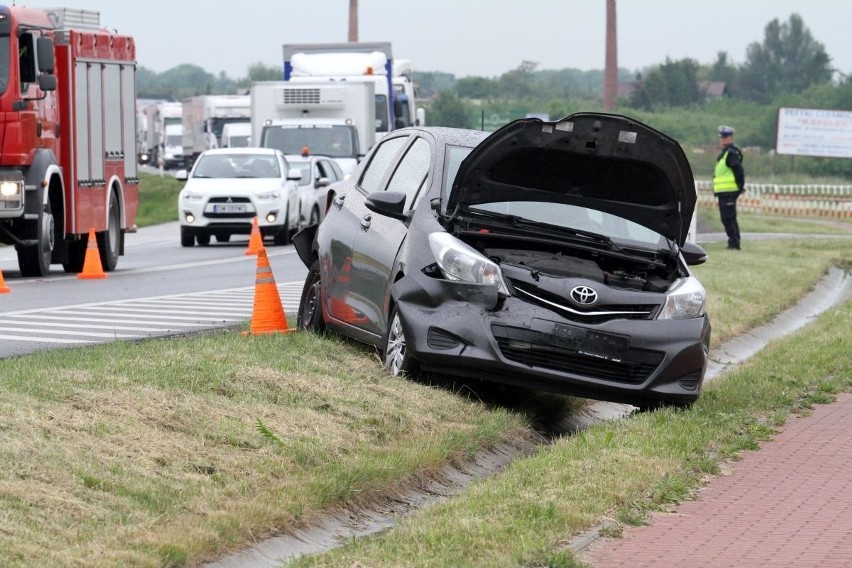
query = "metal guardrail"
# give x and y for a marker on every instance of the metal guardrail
(812, 200)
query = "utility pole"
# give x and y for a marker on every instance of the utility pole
(611, 66)
(353, 20)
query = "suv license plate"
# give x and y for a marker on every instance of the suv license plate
(229, 208)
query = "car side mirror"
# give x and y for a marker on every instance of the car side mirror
(181, 175)
(693, 254)
(388, 203)
(294, 175)
(323, 182)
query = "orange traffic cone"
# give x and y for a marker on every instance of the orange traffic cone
(92, 267)
(3, 288)
(268, 314)
(255, 239)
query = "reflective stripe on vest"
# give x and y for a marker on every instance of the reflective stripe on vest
(723, 177)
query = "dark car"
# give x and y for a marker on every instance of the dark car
(548, 255)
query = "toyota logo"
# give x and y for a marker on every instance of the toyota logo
(584, 295)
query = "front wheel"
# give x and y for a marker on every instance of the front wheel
(310, 309)
(396, 360)
(187, 239)
(35, 260)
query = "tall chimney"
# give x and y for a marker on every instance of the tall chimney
(611, 67)
(353, 20)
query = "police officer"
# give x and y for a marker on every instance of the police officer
(728, 184)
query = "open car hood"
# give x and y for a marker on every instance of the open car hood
(607, 162)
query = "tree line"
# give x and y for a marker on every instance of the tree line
(788, 67)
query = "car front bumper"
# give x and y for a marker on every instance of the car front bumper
(206, 217)
(466, 330)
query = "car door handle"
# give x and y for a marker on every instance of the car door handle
(338, 200)
(365, 222)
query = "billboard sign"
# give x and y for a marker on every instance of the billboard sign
(814, 132)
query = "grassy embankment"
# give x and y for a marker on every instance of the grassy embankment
(169, 451)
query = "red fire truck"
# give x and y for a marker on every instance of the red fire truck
(67, 137)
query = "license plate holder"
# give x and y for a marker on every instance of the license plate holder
(229, 208)
(590, 342)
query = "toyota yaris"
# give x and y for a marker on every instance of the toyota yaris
(548, 255)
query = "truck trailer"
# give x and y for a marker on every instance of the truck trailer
(68, 134)
(205, 116)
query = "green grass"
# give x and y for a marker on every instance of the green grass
(158, 196)
(708, 219)
(169, 452)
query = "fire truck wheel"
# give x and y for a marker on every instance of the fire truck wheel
(76, 256)
(109, 241)
(35, 260)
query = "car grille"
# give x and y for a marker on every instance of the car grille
(598, 314)
(538, 349)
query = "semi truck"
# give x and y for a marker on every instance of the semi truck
(68, 134)
(205, 116)
(161, 118)
(331, 119)
(360, 62)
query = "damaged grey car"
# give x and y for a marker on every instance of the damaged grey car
(546, 255)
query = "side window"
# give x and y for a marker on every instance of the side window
(26, 60)
(382, 158)
(411, 173)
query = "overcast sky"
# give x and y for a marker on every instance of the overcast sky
(463, 37)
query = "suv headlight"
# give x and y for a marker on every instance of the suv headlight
(191, 196)
(460, 262)
(685, 300)
(267, 195)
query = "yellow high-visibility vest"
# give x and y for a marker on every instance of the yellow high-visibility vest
(723, 177)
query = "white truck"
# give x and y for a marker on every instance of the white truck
(160, 115)
(364, 62)
(236, 135)
(205, 116)
(330, 119)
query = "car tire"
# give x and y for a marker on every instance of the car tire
(187, 239)
(109, 241)
(283, 237)
(203, 240)
(310, 310)
(396, 358)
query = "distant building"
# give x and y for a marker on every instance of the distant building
(712, 89)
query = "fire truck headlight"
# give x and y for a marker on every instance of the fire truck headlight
(11, 188)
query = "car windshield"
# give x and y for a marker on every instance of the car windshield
(561, 215)
(237, 166)
(4, 63)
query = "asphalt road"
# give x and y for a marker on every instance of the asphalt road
(158, 288)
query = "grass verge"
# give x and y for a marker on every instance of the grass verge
(168, 452)
(158, 197)
(618, 471)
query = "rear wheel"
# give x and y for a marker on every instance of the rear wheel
(310, 309)
(35, 260)
(397, 359)
(109, 241)
(76, 255)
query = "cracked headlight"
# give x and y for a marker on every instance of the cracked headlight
(460, 262)
(685, 300)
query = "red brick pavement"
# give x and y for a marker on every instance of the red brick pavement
(787, 504)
